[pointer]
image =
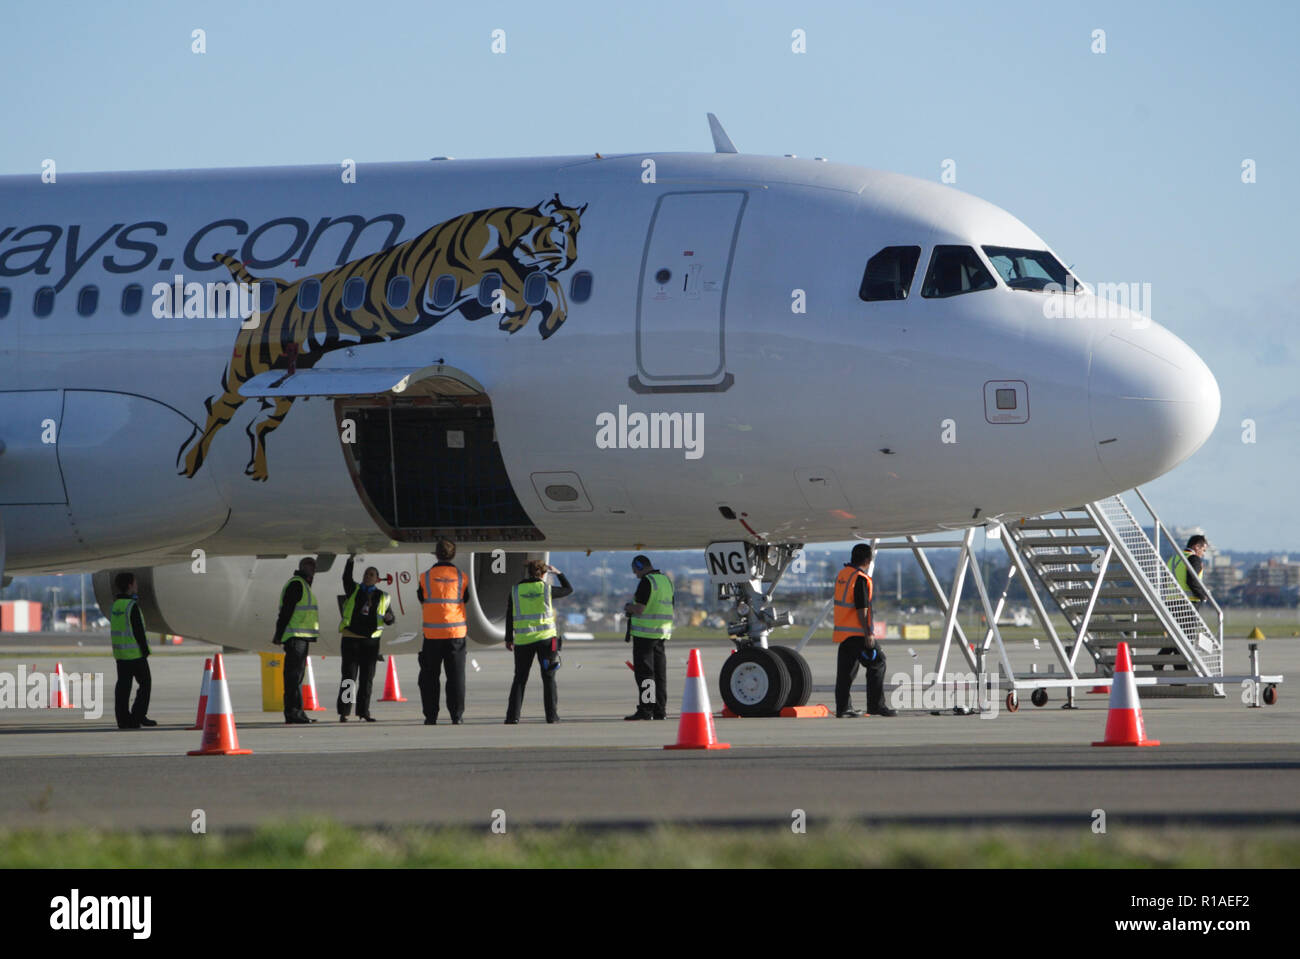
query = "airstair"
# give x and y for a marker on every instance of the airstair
(1113, 585)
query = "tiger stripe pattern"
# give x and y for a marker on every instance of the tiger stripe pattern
(495, 248)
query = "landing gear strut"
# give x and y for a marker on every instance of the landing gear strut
(757, 679)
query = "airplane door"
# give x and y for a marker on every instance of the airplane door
(681, 302)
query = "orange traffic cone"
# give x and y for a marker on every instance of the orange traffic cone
(219, 736)
(203, 694)
(392, 688)
(1124, 726)
(309, 702)
(695, 730)
(60, 699)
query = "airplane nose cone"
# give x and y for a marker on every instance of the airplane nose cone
(1154, 402)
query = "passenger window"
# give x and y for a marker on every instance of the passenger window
(580, 287)
(43, 305)
(132, 297)
(889, 273)
(399, 291)
(354, 293)
(87, 300)
(487, 288)
(6, 298)
(266, 296)
(309, 295)
(955, 270)
(444, 292)
(535, 288)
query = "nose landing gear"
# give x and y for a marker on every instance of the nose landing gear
(757, 679)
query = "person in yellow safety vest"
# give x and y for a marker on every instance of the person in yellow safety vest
(1192, 558)
(296, 628)
(131, 654)
(365, 614)
(853, 635)
(650, 623)
(532, 633)
(443, 593)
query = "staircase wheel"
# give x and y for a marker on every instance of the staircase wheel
(1270, 695)
(1038, 697)
(1013, 702)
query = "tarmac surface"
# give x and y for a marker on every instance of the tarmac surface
(1220, 762)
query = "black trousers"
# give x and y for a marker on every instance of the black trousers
(848, 660)
(295, 664)
(524, 656)
(649, 661)
(359, 658)
(129, 670)
(435, 656)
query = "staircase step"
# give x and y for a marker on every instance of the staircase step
(1090, 577)
(1083, 522)
(1072, 540)
(1109, 592)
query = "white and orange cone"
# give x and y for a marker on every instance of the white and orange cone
(60, 699)
(695, 730)
(219, 736)
(203, 694)
(310, 704)
(392, 688)
(1124, 726)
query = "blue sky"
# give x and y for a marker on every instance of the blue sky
(1127, 162)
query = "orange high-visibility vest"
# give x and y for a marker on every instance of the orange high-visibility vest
(444, 611)
(846, 613)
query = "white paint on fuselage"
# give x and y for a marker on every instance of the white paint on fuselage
(824, 390)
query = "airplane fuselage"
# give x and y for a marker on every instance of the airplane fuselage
(724, 295)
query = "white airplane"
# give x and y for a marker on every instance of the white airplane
(645, 351)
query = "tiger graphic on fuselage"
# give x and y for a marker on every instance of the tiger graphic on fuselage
(484, 251)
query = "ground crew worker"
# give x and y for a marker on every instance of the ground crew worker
(650, 623)
(296, 628)
(853, 622)
(131, 654)
(365, 614)
(1190, 582)
(531, 633)
(443, 592)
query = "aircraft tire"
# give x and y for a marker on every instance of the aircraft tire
(754, 682)
(800, 675)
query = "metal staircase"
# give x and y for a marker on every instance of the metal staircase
(1111, 583)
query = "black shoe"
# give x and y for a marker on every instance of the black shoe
(128, 725)
(636, 716)
(455, 722)
(884, 711)
(369, 719)
(662, 716)
(848, 714)
(512, 722)
(553, 719)
(343, 719)
(431, 722)
(148, 722)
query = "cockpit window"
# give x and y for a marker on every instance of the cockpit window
(889, 273)
(954, 270)
(1029, 269)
